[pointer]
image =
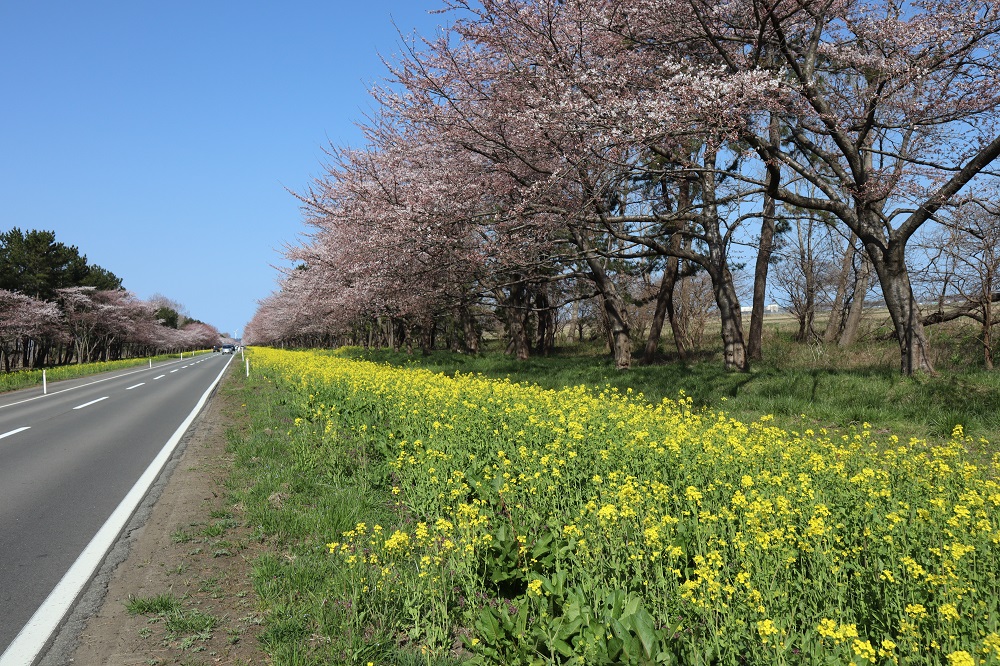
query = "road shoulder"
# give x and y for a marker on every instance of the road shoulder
(185, 543)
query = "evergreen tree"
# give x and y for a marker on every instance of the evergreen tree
(35, 264)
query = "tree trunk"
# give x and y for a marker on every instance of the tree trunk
(576, 322)
(853, 322)
(988, 340)
(470, 336)
(541, 307)
(545, 334)
(806, 318)
(550, 335)
(988, 285)
(664, 304)
(734, 347)
(837, 309)
(432, 333)
(807, 310)
(665, 301)
(515, 306)
(914, 347)
(680, 326)
(619, 329)
(768, 223)
(754, 344)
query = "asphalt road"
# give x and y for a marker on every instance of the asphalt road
(67, 460)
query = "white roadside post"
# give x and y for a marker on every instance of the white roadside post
(45, 386)
(248, 367)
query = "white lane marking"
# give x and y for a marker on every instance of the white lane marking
(175, 370)
(35, 634)
(160, 377)
(14, 432)
(136, 386)
(73, 388)
(88, 404)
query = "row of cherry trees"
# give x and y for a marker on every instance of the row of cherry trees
(541, 151)
(84, 324)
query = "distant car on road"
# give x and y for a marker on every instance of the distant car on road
(228, 349)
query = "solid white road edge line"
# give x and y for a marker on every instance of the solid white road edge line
(88, 404)
(36, 633)
(14, 432)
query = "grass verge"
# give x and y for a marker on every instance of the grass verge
(294, 497)
(186, 581)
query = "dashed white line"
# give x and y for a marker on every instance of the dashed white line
(175, 370)
(72, 388)
(159, 377)
(88, 404)
(14, 432)
(136, 386)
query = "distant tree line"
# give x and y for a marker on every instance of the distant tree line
(57, 308)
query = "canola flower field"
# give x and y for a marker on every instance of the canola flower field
(586, 526)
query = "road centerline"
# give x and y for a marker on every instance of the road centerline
(88, 404)
(15, 431)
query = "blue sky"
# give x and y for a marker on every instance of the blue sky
(160, 138)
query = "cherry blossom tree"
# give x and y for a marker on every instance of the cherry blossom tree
(888, 109)
(543, 141)
(24, 323)
(581, 121)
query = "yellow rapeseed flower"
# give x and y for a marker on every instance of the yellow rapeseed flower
(960, 658)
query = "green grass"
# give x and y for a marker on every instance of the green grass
(190, 625)
(161, 604)
(296, 497)
(180, 536)
(794, 384)
(213, 530)
(190, 622)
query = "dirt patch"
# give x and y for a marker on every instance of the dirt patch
(193, 551)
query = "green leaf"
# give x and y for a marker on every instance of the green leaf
(562, 647)
(488, 627)
(645, 628)
(618, 629)
(573, 610)
(631, 606)
(568, 629)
